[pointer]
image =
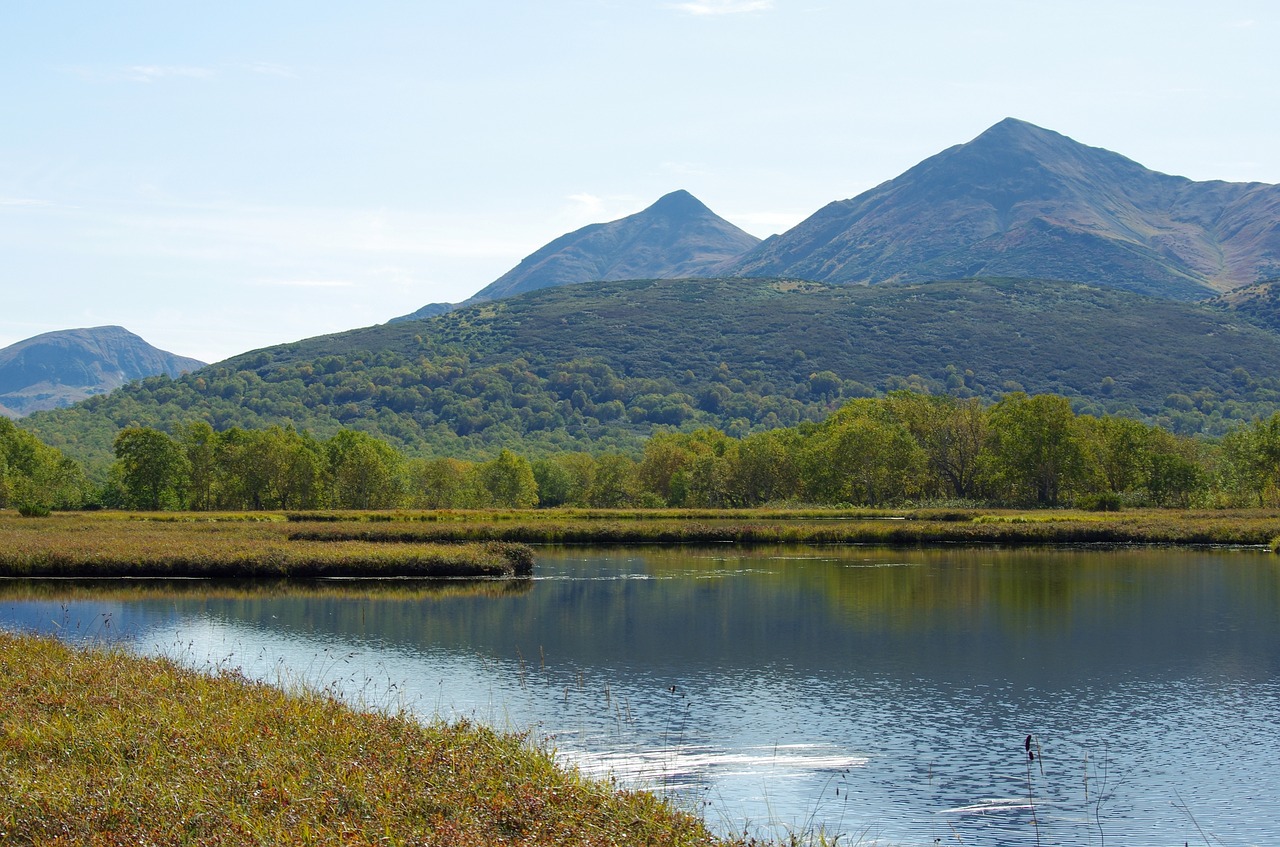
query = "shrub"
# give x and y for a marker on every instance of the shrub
(32, 509)
(1104, 501)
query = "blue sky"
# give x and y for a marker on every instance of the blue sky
(222, 176)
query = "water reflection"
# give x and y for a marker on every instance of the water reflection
(880, 693)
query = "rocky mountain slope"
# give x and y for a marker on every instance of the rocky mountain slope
(1021, 201)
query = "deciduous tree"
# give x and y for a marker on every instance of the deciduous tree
(1035, 448)
(509, 481)
(152, 467)
(952, 432)
(364, 472)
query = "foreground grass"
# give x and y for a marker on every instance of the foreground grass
(98, 747)
(102, 545)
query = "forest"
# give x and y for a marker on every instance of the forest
(596, 367)
(901, 449)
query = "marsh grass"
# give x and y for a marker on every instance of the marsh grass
(444, 543)
(104, 545)
(766, 526)
(99, 747)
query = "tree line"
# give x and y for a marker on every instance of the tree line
(904, 448)
(541, 377)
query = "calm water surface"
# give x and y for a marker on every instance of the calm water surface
(884, 694)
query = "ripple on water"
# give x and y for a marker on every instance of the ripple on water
(660, 765)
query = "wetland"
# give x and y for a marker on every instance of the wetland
(880, 693)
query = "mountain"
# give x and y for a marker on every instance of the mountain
(1021, 201)
(60, 368)
(676, 237)
(598, 366)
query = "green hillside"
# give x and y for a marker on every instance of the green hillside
(1258, 303)
(598, 366)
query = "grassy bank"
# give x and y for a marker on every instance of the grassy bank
(901, 527)
(102, 748)
(113, 545)
(493, 543)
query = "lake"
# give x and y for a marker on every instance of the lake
(886, 694)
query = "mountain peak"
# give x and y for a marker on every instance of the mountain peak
(63, 367)
(1016, 127)
(1023, 201)
(677, 236)
(1012, 135)
(678, 204)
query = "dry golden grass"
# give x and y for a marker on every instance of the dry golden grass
(770, 526)
(98, 747)
(104, 544)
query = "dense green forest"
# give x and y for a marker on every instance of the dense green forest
(35, 478)
(906, 448)
(600, 367)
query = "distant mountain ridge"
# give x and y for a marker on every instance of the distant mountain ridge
(1022, 201)
(61, 368)
(677, 237)
(1018, 201)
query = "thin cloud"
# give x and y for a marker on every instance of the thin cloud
(151, 73)
(708, 8)
(587, 203)
(271, 69)
(208, 231)
(307, 283)
(23, 201)
(684, 168)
